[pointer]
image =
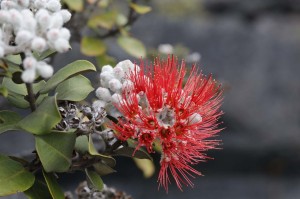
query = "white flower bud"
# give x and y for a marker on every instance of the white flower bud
(127, 85)
(43, 18)
(40, 3)
(23, 3)
(106, 77)
(99, 104)
(103, 94)
(29, 22)
(23, 37)
(104, 83)
(4, 16)
(115, 85)
(107, 68)
(53, 5)
(195, 118)
(165, 48)
(15, 17)
(44, 69)
(65, 33)
(38, 44)
(53, 35)
(26, 13)
(66, 15)
(116, 98)
(28, 75)
(29, 63)
(61, 45)
(119, 72)
(126, 65)
(8, 4)
(56, 21)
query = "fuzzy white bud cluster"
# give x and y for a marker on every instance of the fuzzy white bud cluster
(33, 25)
(113, 83)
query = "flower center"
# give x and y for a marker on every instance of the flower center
(166, 117)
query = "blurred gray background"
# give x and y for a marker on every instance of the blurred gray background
(253, 49)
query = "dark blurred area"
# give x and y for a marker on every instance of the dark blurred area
(253, 49)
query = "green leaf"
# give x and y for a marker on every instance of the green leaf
(146, 166)
(74, 89)
(43, 119)
(76, 5)
(3, 91)
(94, 179)
(44, 55)
(21, 88)
(55, 150)
(38, 190)
(105, 60)
(55, 191)
(13, 177)
(132, 46)
(103, 169)
(106, 20)
(107, 159)
(8, 120)
(140, 9)
(66, 72)
(17, 100)
(92, 46)
(16, 59)
(82, 144)
(131, 152)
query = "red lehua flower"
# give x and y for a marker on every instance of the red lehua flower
(180, 114)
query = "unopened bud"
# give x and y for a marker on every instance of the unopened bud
(65, 33)
(103, 94)
(115, 85)
(29, 63)
(23, 36)
(53, 5)
(61, 45)
(66, 15)
(116, 98)
(44, 69)
(119, 72)
(38, 44)
(195, 118)
(107, 68)
(28, 75)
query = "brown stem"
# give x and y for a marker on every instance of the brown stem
(30, 94)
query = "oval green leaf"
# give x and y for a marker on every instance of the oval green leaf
(106, 20)
(43, 119)
(94, 179)
(82, 144)
(131, 152)
(3, 91)
(74, 89)
(132, 46)
(8, 121)
(91, 46)
(55, 150)
(66, 72)
(76, 5)
(103, 169)
(107, 159)
(140, 9)
(38, 190)
(146, 166)
(13, 177)
(55, 191)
